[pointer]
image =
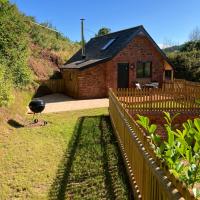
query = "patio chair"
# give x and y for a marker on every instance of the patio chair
(138, 86)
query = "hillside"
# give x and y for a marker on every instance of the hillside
(172, 48)
(28, 51)
(48, 49)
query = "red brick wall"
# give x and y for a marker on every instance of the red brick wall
(93, 82)
(141, 49)
(87, 83)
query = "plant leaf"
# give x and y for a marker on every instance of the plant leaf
(197, 123)
(152, 128)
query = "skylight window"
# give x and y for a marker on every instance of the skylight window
(108, 44)
(81, 61)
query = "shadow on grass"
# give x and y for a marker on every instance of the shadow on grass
(108, 134)
(58, 188)
(92, 167)
(14, 123)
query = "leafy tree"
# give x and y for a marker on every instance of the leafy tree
(187, 61)
(191, 46)
(186, 64)
(103, 31)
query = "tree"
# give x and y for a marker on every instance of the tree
(186, 65)
(191, 46)
(103, 31)
(195, 34)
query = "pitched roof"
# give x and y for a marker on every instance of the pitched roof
(103, 48)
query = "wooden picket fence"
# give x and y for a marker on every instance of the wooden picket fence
(158, 100)
(149, 176)
(183, 87)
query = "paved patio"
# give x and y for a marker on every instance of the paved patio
(60, 103)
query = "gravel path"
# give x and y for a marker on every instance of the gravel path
(60, 103)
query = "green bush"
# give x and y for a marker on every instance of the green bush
(186, 64)
(186, 60)
(5, 88)
(181, 150)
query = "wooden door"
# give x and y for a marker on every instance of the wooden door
(123, 75)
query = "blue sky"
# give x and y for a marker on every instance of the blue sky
(166, 20)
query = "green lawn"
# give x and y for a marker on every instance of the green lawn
(74, 157)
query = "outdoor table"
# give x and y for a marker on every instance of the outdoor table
(151, 85)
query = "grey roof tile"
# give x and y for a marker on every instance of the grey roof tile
(95, 54)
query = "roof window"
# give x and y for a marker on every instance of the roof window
(108, 44)
(81, 61)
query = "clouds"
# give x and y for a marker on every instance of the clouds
(163, 46)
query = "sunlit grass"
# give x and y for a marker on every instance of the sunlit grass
(30, 158)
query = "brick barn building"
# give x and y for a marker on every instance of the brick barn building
(115, 60)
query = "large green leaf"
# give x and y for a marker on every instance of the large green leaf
(196, 147)
(170, 136)
(189, 155)
(152, 128)
(197, 123)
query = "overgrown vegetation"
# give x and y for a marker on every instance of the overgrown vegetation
(181, 150)
(49, 37)
(13, 51)
(27, 48)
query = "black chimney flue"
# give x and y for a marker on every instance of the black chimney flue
(82, 39)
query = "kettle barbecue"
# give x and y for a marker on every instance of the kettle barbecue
(37, 106)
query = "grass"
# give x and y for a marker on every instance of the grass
(73, 157)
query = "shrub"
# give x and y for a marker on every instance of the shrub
(5, 88)
(187, 65)
(181, 151)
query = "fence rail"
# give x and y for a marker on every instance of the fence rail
(158, 100)
(183, 87)
(149, 176)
